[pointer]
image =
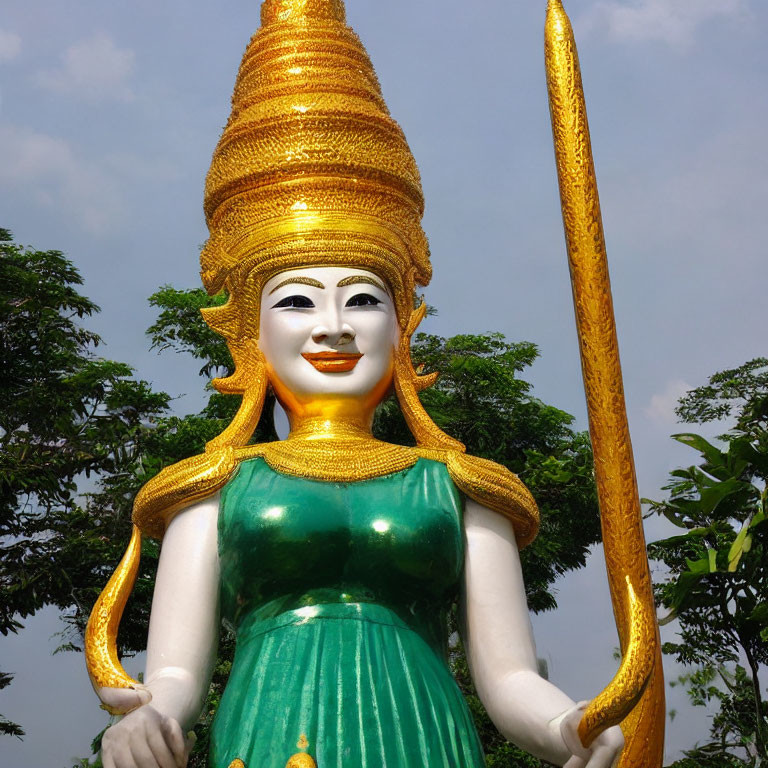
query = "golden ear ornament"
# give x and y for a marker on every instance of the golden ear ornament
(408, 384)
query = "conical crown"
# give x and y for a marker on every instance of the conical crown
(311, 168)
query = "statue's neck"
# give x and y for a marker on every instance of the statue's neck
(330, 427)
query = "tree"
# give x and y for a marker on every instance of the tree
(67, 417)
(717, 569)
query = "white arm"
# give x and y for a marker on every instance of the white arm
(181, 647)
(496, 628)
(184, 623)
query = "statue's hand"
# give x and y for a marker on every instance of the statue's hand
(604, 750)
(145, 738)
(120, 701)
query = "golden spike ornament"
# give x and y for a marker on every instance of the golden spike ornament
(635, 697)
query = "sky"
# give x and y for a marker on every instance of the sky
(109, 113)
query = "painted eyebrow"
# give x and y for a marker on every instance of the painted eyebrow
(355, 279)
(300, 281)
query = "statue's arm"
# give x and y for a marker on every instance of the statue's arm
(184, 623)
(181, 647)
(497, 633)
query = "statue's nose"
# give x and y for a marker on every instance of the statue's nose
(333, 335)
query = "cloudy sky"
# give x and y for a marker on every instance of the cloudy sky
(109, 113)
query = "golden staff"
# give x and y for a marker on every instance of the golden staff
(635, 696)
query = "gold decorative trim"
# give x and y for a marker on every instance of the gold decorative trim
(336, 461)
(495, 487)
(408, 384)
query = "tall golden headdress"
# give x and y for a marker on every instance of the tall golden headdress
(311, 168)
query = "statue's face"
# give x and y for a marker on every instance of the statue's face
(328, 334)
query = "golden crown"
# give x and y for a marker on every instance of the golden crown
(311, 168)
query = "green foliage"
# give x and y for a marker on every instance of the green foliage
(64, 412)
(717, 567)
(705, 758)
(67, 418)
(8, 728)
(732, 393)
(180, 328)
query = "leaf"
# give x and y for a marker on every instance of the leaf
(744, 451)
(675, 518)
(737, 548)
(711, 497)
(698, 566)
(710, 452)
(760, 614)
(682, 589)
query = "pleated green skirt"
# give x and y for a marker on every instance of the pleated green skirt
(349, 684)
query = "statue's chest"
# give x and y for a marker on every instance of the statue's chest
(395, 538)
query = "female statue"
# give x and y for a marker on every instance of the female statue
(334, 556)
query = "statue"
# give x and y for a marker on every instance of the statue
(333, 555)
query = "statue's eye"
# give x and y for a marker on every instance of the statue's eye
(362, 300)
(297, 302)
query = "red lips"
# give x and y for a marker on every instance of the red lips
(332, 362)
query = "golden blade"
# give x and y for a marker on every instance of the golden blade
(635, 697)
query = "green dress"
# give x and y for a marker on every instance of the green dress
(339, 593)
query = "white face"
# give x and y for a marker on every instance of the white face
(327, 333)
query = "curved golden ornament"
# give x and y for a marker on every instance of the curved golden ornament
(635, 697)
(248, 414)
(408, 384)
(610, 707)
(101, 657)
